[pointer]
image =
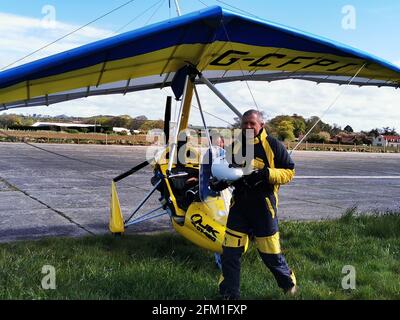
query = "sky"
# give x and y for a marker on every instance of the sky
(28, 25)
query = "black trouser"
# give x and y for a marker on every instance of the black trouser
(252, 214)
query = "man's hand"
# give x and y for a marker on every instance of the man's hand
(256, 177)
(218, 186)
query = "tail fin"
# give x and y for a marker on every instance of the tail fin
(116, 220)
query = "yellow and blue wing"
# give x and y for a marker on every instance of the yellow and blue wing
(225, 46)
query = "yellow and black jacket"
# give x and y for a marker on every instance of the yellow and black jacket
(269, 153)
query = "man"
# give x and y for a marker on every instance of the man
(254, 207)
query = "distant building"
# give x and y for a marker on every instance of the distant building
(351, 138)
(71, 125)
(122, 130)
(65, 126)
(379, 141)
(62, 125)
(386, 141)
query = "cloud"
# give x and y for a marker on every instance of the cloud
(22, 35)
(362, 108)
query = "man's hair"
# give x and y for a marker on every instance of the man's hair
(259, 115)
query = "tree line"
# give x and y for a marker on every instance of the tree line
(141, 123)
(291, 128)
(284, 127)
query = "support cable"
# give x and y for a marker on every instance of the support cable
(341, 92)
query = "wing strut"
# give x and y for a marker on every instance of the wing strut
(214, 89)
(183, 118)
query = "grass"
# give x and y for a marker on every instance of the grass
(166, 266)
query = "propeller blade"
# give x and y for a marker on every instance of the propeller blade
(167, 118)
(133, 170)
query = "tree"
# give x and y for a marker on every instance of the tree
(321, 126)
(321, 137)
(99, 120)
(137, 122)
(335, 130)
(120, 121)
(299, 127)
(374, 133)
(285, 131)
(324, 136)
(141, 118)
(9, 120)
(278, 119)
(387, 131)
(152, 124)
(311, 122)
(348, 129)
(27, 121)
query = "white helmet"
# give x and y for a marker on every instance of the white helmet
(223, 171)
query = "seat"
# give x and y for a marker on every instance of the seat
(185, 188)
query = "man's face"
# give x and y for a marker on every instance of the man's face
(251, 125)
(219, 142)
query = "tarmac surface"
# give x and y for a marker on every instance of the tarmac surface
(43, 194)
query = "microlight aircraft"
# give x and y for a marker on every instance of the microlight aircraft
(207, 47)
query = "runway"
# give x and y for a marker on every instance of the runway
(43, 194)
